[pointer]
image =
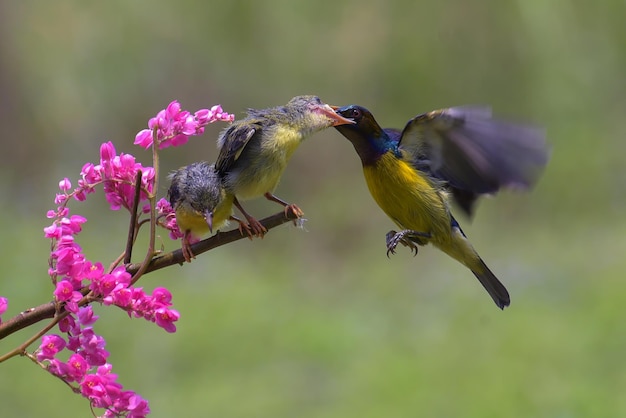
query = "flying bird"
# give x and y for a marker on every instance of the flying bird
(459, 152)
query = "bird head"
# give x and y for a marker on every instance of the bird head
(369, 140)
(310, 114)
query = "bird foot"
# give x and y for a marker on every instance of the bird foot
(289, 207)
(186, 248)
(408, 238)
(297, 212)
(253, 228)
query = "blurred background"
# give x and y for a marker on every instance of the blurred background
(318, 322)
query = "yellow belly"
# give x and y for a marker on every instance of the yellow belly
(189, 219)
(264, 171)
(408, 197)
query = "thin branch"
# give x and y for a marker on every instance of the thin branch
(152, 199)
(47, 310)
(132, 227)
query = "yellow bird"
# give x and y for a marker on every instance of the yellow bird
(254, 151)
(200, 201)
(458, 151)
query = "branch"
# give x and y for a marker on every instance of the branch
(47, 310)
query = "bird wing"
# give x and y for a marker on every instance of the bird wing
(473, 152)
(232, 142)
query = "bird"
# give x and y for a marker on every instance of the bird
(449, 154)
(200, 201)
(254, 151)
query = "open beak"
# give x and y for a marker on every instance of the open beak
(208, 217)
(336, 118)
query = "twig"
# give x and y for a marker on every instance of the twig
(47, 310)
(132, 227)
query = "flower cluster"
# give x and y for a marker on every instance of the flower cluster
(87, 366)
(174, 126)
(79, 281)
(118, 175)
(165, 211)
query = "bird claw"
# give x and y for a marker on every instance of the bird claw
(186, 249)
(297, 212)
(255, 228)
(408, 238)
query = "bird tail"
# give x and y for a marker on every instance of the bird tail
(492, 285)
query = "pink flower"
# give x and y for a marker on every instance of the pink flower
(58, 368)
(50, 346)
(77, 368)
(162, 296)
(174, 126)
(63, 291)
(165, 318)
(92, 348)
(86, 316)
(4, 304)
(71, 305)
(93, 387)
(68, 325)
(65, 184)
(137, 406)
(144, 138)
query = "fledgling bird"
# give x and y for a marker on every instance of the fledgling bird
(201, 202)
(254, 151)
(457, 151)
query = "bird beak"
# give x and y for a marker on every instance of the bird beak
(208, 217)
(336, 118)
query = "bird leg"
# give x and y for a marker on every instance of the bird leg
(254, 227)
(242, 226)
(186, 247)
(288, 207)
(406, 237)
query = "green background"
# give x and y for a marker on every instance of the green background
(318, 322)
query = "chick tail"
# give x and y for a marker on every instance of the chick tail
(492, 285)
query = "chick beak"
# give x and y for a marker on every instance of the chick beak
(208, 217)
(336, 118)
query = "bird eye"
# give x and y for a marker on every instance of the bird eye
(355, 113)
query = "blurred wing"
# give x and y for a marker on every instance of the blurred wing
(231, 142)
(473, 152)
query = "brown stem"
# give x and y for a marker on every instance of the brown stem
(132, 227)
(47, 310)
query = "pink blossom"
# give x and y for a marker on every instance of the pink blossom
(58, 368)
(71, 305)
(50, 346)
(165, 318)
(86, 316)
(92, 347)
(65, 184)
(63, 291)
(174, 126)
(162, 296)
(77, 368)
(137, 406)
(4, 304)
(68, 325)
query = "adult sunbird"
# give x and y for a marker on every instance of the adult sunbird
(254, 151)
(201, 202)
(457, 151)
